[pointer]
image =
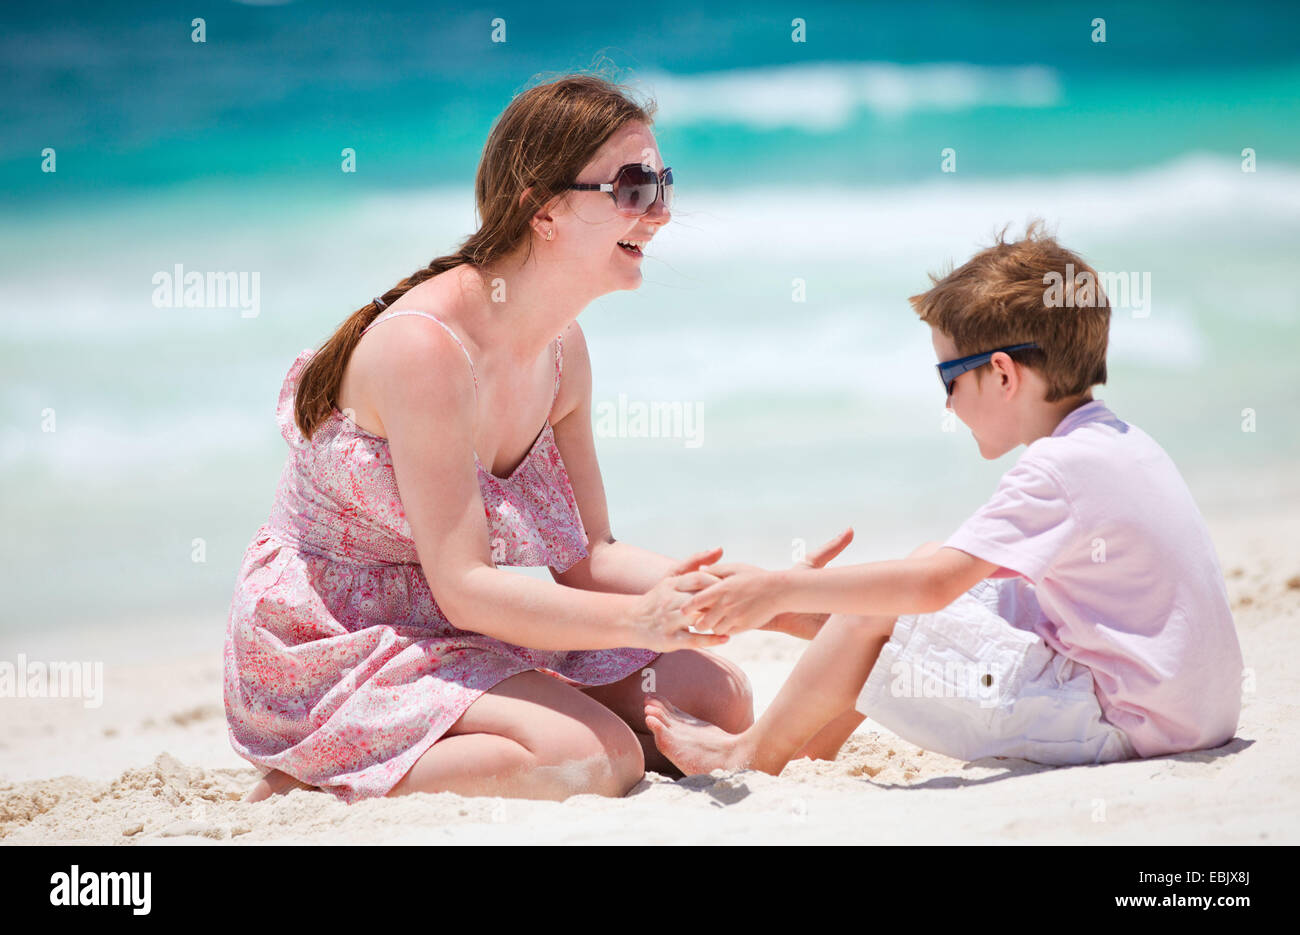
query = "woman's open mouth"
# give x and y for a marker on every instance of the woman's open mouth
(632, 247)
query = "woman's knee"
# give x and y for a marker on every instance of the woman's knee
(581, 740)
(709, 687)
(736, 700)
(619, 761)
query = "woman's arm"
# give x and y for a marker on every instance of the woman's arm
(424, 396)
(610, 565)
(622, 568)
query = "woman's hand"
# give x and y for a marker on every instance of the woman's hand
(658, 622)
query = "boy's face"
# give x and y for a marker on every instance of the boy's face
(987, 400)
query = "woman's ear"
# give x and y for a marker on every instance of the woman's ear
(541, 221)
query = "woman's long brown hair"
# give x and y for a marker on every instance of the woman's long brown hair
(542, 140)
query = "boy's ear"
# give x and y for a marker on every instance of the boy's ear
(1008, 375)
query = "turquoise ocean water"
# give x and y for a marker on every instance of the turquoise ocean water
(816, 161)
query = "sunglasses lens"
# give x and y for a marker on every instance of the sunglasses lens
(635, 190)
(668, 188)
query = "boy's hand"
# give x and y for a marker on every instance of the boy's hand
(745, 598)
(801, 625)
(806, 626)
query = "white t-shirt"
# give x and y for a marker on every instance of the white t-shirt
(1098, 518)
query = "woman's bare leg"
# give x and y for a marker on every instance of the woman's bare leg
(696, 681)
(824, 685)
(531, 737)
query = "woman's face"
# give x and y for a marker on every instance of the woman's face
(588, 229)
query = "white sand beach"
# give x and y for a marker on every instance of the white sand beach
(152, 764)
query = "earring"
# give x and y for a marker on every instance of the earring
(549, 232)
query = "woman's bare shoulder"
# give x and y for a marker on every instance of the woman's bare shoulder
(410, 362)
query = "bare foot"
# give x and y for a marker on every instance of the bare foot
(694, 746)
(274, 783)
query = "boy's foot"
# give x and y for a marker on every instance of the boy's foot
(694, 746)
(274, 783)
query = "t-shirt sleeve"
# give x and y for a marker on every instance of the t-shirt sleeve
(1025, 526)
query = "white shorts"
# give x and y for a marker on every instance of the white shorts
(974, 680)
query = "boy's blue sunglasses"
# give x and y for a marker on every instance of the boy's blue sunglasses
(950, 370)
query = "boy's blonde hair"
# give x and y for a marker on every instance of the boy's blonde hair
(1004, 295)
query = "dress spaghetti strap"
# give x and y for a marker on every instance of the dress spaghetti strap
(458, 341)
(559, 366)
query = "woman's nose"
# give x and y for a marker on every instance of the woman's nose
(658, 212)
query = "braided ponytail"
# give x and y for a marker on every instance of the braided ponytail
(322, 375)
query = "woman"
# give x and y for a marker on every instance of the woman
(417, 466)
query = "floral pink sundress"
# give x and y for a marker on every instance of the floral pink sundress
(339, 668)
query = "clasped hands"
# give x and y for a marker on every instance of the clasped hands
(734, 597)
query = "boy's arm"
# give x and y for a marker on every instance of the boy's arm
(920, 584)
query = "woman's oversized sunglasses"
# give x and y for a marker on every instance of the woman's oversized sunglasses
(950, 370)
(635, 188)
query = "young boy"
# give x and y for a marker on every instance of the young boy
(1079, 616)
